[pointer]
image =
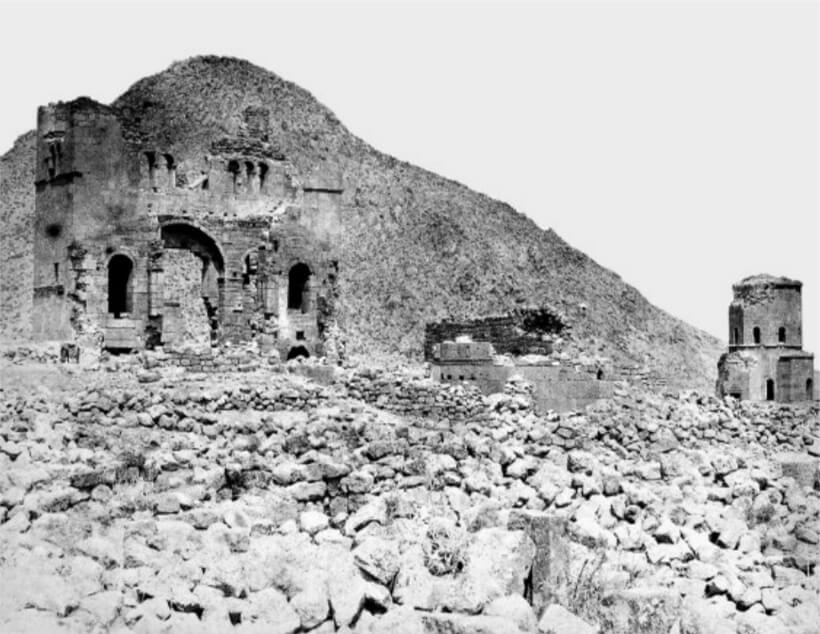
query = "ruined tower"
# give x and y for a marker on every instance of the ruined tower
(766, 360)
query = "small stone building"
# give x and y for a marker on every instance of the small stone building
(139, 244)
(766, 360)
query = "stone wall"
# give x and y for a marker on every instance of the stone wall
(16, 249)
(519, 333)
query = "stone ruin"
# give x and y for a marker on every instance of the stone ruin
(138, 245)
(468, 351)
(766, 360)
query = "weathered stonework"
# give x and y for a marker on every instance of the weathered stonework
(135, 246)
(766, 360)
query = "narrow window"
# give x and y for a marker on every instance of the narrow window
(233, 168)
(298, 287)
(769, 390)
(809, 390)
(171, 169)
(205, 184)
(51, 161)
(599, 374)
(151, 157)
(56, 272)
(781, 334)
(263, 177)
(120, 270)
(756, 334)
(250, 177)
(275, 246)
(736, 334)
(300, 335)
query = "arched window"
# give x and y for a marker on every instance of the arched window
(233, 168)
(250, 177)
(298, 287)
(737, 338)
(756, 334)
(809, 390)
(781, 334)
(171, 168)
(263, 176)
(769, 389)
(151, 157)
(120, 273)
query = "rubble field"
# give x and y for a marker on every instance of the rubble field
(287, 498)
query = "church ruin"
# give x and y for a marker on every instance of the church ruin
(138, 245)
(766, 360)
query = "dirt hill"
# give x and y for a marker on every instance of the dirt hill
(417, 247)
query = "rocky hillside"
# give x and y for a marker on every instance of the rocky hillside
(416, 246)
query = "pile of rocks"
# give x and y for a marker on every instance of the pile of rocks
(265, 501)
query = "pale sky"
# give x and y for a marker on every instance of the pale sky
(676, 143)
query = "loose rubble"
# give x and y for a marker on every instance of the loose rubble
(373, 501)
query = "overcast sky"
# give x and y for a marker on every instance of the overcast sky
(676, 143)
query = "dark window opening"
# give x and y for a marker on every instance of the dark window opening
(769, 389)
(171, 168)
(781, 334)
(250, 266)
(599, 374)
(275, 246)
(120, 270)
(756, 334)
(205, 184)
(233, 168)
(809, 389)
(250, 176)
(56, 272)
(460, 377)
(298, 351)
(737, 337)
(52, 160)
(151, 157)
(263, 176)
(298, 287)
(736, 395)
(53, 230)
(300, 335)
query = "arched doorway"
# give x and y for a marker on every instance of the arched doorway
(769, 389)
(298, 352)
(120, 274)
(299, 287)
(194, 268)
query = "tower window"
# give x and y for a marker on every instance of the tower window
(233, 168)
(250, 176)
(56, 272)
(769, 389)
(756, 334)
(151, 157)
(120, 269)
(809, 390)
(171, 168)
(781, 334)
(263, 176)
(737, 338)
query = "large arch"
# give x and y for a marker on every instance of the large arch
(179, 234)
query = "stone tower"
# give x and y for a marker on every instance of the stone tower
(766, 360)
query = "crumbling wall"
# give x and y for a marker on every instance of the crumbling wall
(185, 318)
(526, 331)
(16, 246)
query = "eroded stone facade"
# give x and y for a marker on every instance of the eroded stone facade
(136, 246)
(766, 360)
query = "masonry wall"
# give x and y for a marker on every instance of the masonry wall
(16, 249)
(555, 388)
(516, 334)
(768, 308)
